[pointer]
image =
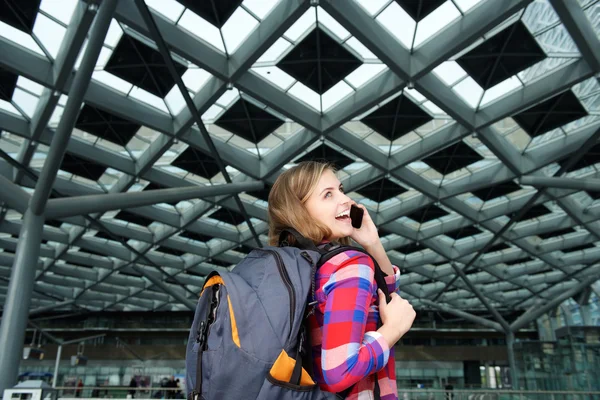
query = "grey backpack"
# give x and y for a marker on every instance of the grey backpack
(248, 339)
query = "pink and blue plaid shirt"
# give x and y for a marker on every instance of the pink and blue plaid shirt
(347, 349)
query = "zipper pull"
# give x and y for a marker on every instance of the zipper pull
(200, 332)
(301, 341)
(194, 395)
(307, 257)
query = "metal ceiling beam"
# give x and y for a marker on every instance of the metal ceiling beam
(592, 185)
(77, 236)
(537, 311)
(13, 195)
(165, 288)
(274, 160)
(162, 47)
(553, 83)
(371, 34)
(62, 68)
(462, 314)
(61, 137)
(368, 96)
(269, 30)
(429, 84)
(459, 35)
(80, 205)
(584, 296)
(39, 70)
(280, 101)
(12, 329)
(442, 192)
(481, 297)
(50, 307)
(580, 29)
(572, 160)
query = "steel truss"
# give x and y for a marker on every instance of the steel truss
(43, 284)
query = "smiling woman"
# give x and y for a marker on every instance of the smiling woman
(351, 348)
(288, 203)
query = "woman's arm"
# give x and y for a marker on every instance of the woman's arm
(393, 273)
(368, 237)
(349, 353)
(379, 254)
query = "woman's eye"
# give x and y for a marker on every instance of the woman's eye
(328, 194)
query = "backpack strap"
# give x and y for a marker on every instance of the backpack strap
(202, 335)
(301, 241)
(379, 275)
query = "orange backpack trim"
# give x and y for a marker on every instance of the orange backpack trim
(217, 280)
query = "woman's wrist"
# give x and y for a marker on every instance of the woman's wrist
(374, 247)
(390, 334)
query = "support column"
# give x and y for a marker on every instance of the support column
(65, 127)
(20, 288)
(586, 314)
(543, 333)
(514, 374)
(18, 299)
(552, 318)
(56, 364)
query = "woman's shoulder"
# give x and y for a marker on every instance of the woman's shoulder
(346, 258)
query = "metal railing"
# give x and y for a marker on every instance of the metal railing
(119, 392)
(494, 394)
(123, 392)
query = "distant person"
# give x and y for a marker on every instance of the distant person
(449, 388)
(79, 388)
(171, 385)
(178, 394)
(132, 384)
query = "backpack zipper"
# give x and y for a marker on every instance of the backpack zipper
(288, 283)
(212, 316)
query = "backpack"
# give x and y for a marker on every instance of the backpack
(248, 339)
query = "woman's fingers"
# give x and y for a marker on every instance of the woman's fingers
(382, 300)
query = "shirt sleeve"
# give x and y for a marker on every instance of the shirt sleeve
(348, 353)
(393, 282)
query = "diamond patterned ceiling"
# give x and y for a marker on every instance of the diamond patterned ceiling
(432, 111)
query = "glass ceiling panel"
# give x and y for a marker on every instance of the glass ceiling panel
(233, 32)
(290, 69)
(139, 54)
(20, 37)
(62, 10)
(456, 164)
(170, 9)
(50, 34)
(513, 42)
(251, 120)
(584, 96)
(427, 118)
(411, 33)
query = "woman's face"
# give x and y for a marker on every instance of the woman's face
(329, 205)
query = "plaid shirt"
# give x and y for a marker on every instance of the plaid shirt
(347, 349)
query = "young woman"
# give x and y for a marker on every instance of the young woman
(351, 354)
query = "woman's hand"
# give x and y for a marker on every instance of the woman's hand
(367, 236)
(397, 317)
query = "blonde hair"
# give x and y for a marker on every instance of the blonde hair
(287, 203)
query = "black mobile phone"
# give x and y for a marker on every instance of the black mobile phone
(356, 216)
